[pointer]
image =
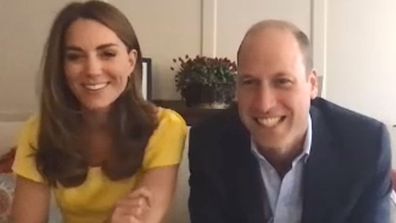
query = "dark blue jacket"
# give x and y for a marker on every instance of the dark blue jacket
(346, 177)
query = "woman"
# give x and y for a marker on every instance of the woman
(108, 155)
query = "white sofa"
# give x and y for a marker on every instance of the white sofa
(179, 210)
(9, 131)
(8, 134)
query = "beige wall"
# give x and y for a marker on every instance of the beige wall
(354, 44)
(235, 17)
(166, 29)
(361, 55)
(23, 29)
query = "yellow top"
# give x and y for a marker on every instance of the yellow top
(94, 199)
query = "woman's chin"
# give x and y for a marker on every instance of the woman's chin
(96, 108)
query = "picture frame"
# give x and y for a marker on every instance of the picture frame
(146, 78)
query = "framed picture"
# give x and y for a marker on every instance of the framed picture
(146, 78)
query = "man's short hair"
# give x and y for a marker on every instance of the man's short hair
(301, 37)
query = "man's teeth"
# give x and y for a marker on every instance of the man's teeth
(95, 86)
(268, 122)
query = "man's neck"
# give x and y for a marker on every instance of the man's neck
(280, 159)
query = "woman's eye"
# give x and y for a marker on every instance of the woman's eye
(73, 56)
(108, 54)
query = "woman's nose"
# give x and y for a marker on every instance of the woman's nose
(93, 66)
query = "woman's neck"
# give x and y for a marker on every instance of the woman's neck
(96, 119)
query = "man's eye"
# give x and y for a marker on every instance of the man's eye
(246, 82)
(284, 82)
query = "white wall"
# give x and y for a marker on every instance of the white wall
(23, 31)
(235, 17)
(166, 29)
(361, 56)
(354, 44)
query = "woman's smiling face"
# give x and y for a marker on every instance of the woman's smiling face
(97, 64)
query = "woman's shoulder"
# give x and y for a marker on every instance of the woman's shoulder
(170, 124)
(29, 133)
(170, 117)
(166, 145)
(31, 124)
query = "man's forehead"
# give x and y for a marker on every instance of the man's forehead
(269, 41)
(271, 35)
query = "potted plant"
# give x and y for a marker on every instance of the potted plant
(205, 81)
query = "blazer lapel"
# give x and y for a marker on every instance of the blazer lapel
(247, 179)
(251, 191)
(321, 189)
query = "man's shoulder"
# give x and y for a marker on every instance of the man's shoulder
(349, 131)
(352, 150)
(337, 115)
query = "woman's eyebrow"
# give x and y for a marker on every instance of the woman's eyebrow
(103, 46)
(100, 47)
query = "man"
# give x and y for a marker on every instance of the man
(282, 156)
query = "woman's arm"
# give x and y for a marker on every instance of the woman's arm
(161, 182)
(31, 202)
(151, 199)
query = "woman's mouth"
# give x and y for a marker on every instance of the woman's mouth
(95, 87)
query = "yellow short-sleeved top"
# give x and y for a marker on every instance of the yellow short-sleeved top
(93, 201)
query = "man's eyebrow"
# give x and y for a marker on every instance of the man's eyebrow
(245, 75)
(281, 74)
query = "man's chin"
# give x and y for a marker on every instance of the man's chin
(269, 144)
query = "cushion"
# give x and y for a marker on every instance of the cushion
(7, 184)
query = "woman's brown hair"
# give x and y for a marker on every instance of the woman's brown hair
(133, 120)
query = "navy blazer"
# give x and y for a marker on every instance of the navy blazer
(346, 177)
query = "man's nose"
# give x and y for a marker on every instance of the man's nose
(265, 99)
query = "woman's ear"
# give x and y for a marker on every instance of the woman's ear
(133, 54)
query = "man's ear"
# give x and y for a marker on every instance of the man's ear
(133, 54)
(313, 81)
